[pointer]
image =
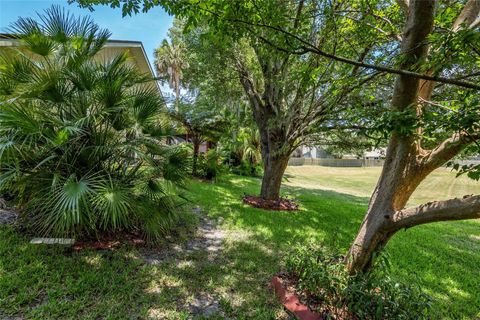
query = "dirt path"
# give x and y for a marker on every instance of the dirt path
(209, 239)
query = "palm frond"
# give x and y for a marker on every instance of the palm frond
(114, 204)
(82, 140)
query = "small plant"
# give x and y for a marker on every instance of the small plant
(320, 276)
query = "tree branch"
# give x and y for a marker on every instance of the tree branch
(361, 58)
(468, 15)
(448, 149)
(249, 87)
(309, 47)
(467, 207)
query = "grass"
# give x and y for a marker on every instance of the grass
(39, 282)
(440, 185)
(442, 258)
(51, 283)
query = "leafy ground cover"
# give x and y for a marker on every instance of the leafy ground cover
(40, 283)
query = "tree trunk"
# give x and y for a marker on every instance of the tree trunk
(274, 168)
(402, 172)
(275, 154)
(400, 177)
(196, 148)
(275, 145)
(380, 224)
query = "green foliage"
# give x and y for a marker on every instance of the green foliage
(242, 151)
(82, 144)
(403, 123)
(210, 165)
(472, 170)
(321, 275)
(245, 168)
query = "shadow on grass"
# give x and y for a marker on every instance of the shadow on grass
(335, 218)
(43, 282)
(442, 258)
(40, 282)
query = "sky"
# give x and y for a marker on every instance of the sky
(150, 28)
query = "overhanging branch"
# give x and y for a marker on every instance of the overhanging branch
(308, 47)
(464, 208)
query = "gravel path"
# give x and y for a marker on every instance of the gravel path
(209, 238)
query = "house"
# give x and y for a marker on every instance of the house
(312, 152)
(112, 48)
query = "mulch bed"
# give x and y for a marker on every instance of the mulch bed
(282, 204)
(301, 304)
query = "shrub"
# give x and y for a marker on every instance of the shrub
(81, 141)
(245, 168)
(320, 276)
(210, 165)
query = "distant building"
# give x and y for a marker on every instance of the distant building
(312, 152)
(375, 154)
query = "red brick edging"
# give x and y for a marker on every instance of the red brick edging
(292, 303)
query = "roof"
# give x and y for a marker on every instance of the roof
(112, 47)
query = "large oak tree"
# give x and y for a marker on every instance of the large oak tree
(289, 94)
(433, 114)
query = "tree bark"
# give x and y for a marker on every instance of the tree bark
(274, 144)
(275, 151)
(274, 168)
(401, 173)
(398, 180)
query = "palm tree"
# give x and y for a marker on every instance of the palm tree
(170, 60)
(80, 139)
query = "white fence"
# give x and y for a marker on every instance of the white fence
(335, 162)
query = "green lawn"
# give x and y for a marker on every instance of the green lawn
(48, 283)
(443, 257)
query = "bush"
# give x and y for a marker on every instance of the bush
(81, 143)
(321, 278)
(210, 165)
(245, 168)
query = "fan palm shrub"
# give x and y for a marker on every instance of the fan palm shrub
(82, 145)
(244, 152)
